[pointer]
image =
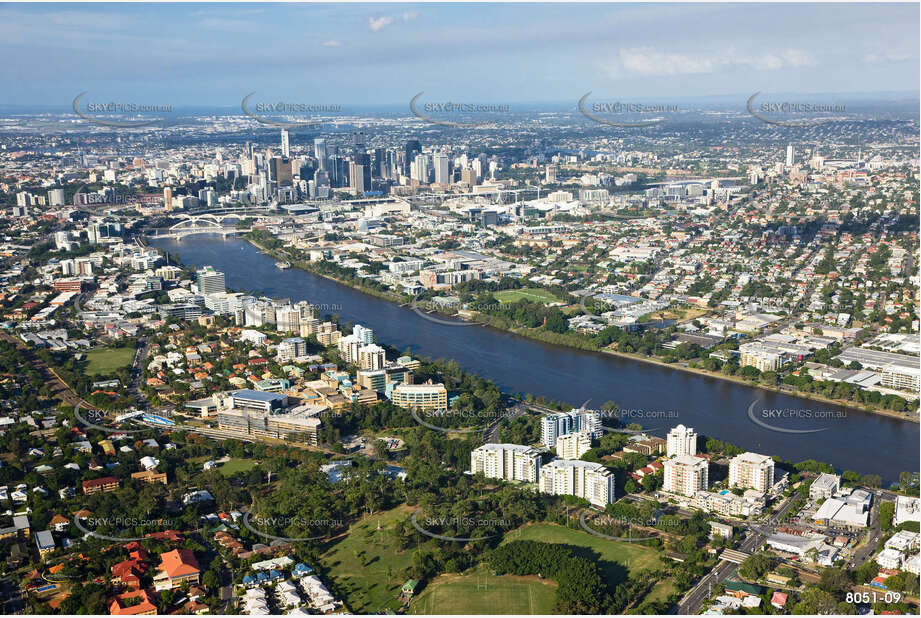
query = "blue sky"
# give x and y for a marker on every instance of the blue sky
(214, 54)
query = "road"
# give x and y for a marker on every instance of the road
(491, 433)
(756, 535)
(873, 535)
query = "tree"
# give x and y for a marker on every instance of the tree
(886, 512)
(211, 580)
(756, 566)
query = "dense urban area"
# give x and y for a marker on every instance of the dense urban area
(172, 444)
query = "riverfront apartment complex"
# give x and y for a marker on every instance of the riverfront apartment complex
(680, 441)
(573, 445)
(753, 471)
(583, 479)
(685, 475)
(559, 424)
(510, 462)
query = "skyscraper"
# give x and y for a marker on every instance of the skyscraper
(210, 281)
(789, 161)
(319, 151)
(357, 178)
(285, 143)
(379, 164)
(358, 142)
(441, 168)
(413, 147)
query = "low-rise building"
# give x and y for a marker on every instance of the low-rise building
(825, 486)
(421, 396)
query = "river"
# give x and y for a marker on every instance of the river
(656, 397)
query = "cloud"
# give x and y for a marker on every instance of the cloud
(332, 43)
(887, 57)
(646, 61)
(378, 23)
(410, 15)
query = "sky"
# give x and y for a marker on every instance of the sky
(367, 54)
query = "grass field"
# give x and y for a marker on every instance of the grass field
(532, 294)
(613, 556)
(108, 360)
(483, 593)
(236, 465)
(366, 566)
(661, 590)
(231, 467)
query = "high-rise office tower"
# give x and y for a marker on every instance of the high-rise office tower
(280, 171)
(392, 164)
(319, 151)
(358, 142)
(379, 164)
(420, 168)
(789, 161)
(167, 198)
(413, 147)
(357, 175)
(440, 163)
(210, 281)
(285, 143)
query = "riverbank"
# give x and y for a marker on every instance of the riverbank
(574, 343)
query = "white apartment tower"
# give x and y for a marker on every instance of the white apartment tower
(559, 424)
(751, 470)
(573, 445)
(680, 441)
(371, 357)
(685, 475)
(510, 462)
(583, 479)
(365, 335)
